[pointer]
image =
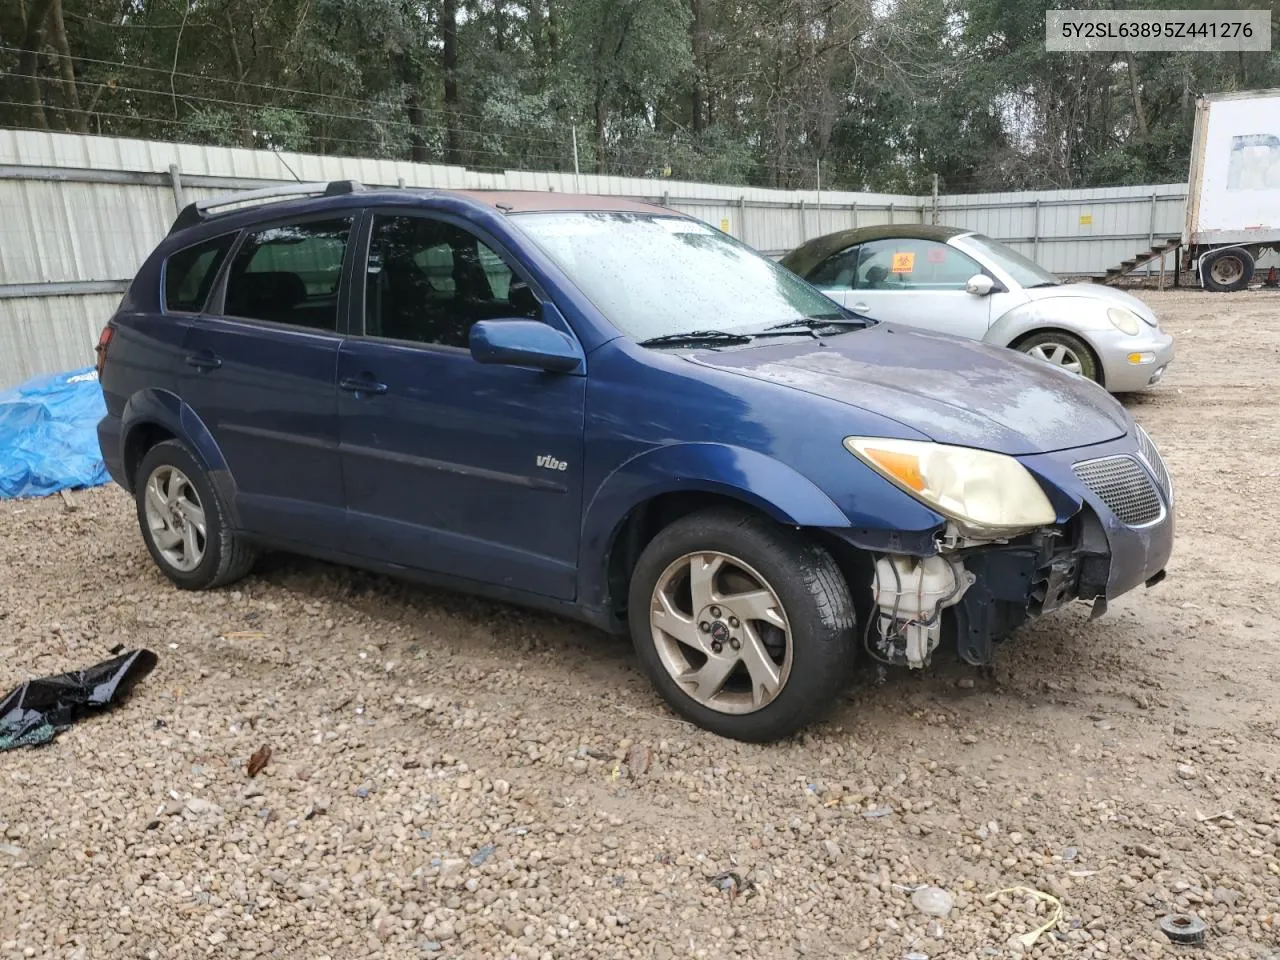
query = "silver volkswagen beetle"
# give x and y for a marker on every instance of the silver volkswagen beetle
(963, 283)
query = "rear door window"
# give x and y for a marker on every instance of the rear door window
(189, 274)
(289, 274)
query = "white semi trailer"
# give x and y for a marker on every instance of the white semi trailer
(1233, 192)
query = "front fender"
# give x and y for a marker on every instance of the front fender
(1083, 316)
(752, 478)
(165, 409)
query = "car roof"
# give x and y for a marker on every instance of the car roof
(542, 201)
(289, 200)
(811, 253)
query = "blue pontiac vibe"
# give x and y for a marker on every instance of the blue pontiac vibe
(608, 410)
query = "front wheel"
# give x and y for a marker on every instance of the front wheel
(744, 627)
(1062, 350)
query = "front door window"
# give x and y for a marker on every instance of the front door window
(429, 281)
(921, 265)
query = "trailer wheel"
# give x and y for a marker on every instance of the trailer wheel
(1227, 269)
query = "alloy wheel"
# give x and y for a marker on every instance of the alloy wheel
(1059, 354)
(721, 632)
(175, 518)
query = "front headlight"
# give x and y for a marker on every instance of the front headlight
(1124, 320)
(985, 493)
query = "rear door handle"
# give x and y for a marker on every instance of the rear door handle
(355, 385)
(204, 360)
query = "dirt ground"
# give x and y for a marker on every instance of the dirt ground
(456, 778)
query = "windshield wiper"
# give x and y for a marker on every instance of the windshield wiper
(698, 336)
(816, 323)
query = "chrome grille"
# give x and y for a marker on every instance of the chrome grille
(1147, 449)
(1124, 486)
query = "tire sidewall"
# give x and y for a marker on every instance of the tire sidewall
(174, 453)
(821, 647)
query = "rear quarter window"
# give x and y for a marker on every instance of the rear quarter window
(189, 274)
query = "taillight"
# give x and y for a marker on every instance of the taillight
(104, 340)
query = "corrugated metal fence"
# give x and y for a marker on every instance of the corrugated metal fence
(79, 214)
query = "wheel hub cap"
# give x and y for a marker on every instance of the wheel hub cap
(1226, 269)
(721, 632)
(1060, 355)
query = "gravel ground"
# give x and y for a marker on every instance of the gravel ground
(455, 778)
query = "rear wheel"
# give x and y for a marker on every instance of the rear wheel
(744, 627)
(1062, 350)
(1227, 270)
(184, 523)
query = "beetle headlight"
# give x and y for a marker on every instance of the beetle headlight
(1124, 320)
(986, 494)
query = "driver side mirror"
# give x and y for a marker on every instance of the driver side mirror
(523, 343)
(979, 285)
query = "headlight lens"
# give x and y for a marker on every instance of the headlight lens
(985, 493)
(1124, 320)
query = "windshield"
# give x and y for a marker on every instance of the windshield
(655, 275)
(1025, 273)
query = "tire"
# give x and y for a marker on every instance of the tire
(812, 652)
(1226, 270)
(1062, 350)
(187, 500)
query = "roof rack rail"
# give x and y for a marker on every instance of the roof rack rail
(201, 210)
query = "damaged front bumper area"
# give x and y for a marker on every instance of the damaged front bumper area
(977, 593)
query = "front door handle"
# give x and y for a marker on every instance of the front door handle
(204, 360)
(358, 385)
(861, 307)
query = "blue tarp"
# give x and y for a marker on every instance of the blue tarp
(48, 435)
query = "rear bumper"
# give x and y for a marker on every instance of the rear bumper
(110, 440)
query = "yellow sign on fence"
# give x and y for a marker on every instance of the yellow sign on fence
(724, 224)
(1086, 219)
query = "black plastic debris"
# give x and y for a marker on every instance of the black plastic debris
(36, 711)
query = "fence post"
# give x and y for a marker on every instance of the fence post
(804, 232)
(819, 201)
(890, 211)
(855, 214)
(1035, 234)
(935, 199)
(175, 178)
(742, 217)
(577, 176)
(1151, 233)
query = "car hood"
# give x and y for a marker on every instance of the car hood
(951, 390)
(1094, 291)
